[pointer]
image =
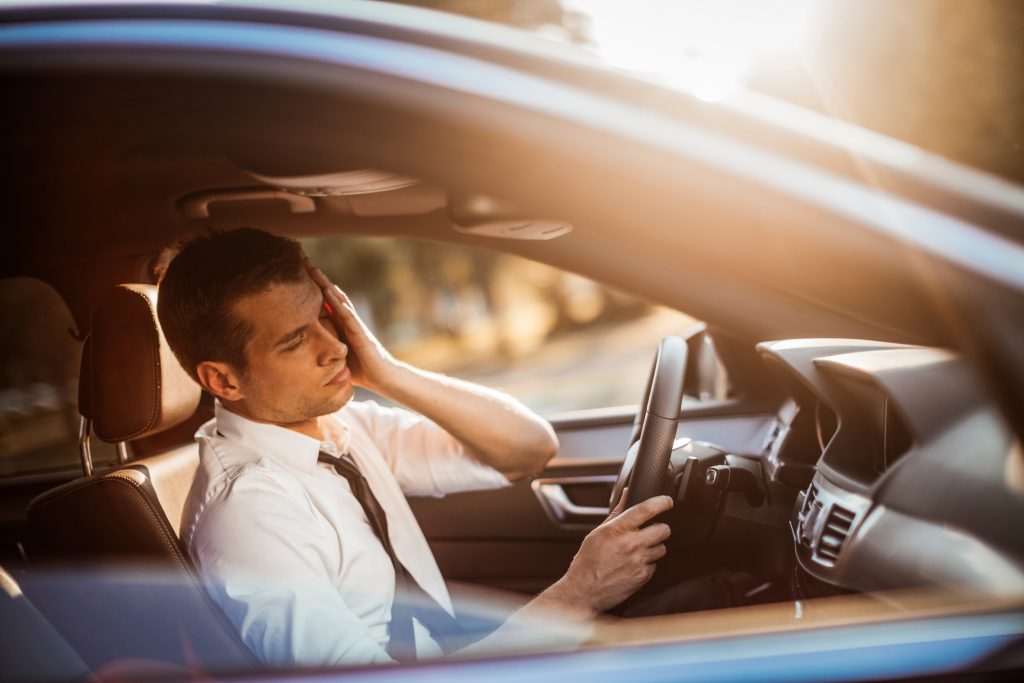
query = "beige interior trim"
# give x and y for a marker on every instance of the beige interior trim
(170, 474)
(8, 585)
(796, 616)
(198, 205)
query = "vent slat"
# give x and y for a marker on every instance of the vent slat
(833, 537)
(831, 541)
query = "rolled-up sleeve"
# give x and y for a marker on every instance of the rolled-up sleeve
(282, 601)
(425, 459)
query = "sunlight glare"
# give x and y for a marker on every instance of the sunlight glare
(704, 46)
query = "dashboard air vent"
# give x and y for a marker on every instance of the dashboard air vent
(809, 512)
(833, 536)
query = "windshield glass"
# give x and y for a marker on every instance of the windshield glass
(939, 74)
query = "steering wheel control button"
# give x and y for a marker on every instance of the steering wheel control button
(716, 477)
(732, 479)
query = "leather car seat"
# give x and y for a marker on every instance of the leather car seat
(126, 587)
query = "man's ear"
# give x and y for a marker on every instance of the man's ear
(220, 379)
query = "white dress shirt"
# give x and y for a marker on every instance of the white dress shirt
(286, 549)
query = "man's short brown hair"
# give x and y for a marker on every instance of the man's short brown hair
(210, 274)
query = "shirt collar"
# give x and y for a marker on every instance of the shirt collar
(286, 446)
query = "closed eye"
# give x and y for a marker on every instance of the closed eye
(297, 343)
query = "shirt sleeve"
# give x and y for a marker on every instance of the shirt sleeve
(261, 556)
(425, 459)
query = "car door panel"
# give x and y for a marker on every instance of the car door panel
(509, 538)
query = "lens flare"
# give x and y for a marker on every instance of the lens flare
(705, 47)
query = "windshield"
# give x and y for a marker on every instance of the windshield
(941, 75)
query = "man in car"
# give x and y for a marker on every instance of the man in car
(297, 517)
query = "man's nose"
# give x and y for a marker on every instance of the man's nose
(332, 349)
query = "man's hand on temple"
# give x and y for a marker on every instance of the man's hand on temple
(615, 560)
(499, 430)
(369, 362)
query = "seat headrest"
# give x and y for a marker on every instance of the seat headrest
(131, 383)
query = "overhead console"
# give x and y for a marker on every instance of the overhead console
(359, 198)
(874, 434)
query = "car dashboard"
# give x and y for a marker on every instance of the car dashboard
(907, 475)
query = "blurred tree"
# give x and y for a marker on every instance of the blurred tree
(944, 75)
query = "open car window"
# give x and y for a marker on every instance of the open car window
(556, 341)
(39, 361)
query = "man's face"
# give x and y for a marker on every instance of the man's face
(297, 368)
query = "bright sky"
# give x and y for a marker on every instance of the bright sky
(704, 46)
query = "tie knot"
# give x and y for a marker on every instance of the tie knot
(344, 465)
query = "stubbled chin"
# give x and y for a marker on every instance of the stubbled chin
(344, 395)
(326, 405)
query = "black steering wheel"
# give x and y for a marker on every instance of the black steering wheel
(654, 429)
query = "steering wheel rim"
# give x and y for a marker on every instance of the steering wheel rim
(654, 429)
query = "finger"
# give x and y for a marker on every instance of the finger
(340, 293)
(324, 283)
(620, 505)
(649, 572)
(343, 314)
(331, 296)
(655, 553)
(318, 276)
(337, 300)
(334, 306)
(653, 535)
(638, 515)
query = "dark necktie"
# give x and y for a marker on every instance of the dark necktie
(410, 598)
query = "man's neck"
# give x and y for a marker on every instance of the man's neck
(310, 427)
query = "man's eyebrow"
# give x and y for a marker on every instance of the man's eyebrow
(289, 336)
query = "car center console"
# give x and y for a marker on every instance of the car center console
(870, 435)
